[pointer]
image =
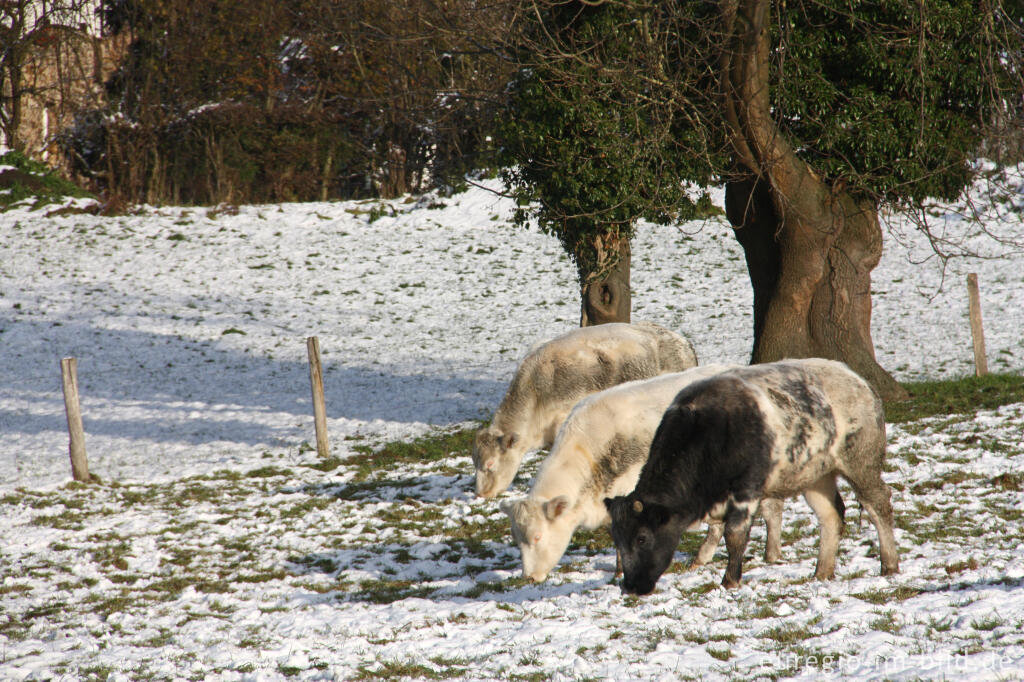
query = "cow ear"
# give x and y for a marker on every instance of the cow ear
(553, 508)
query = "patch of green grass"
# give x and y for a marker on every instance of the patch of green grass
(105, 605)
(473, 537)
(720, 654)
(886, 622)
(596, 541)
(788, 634)
(170, 588)
(764, 611)
(987, 624)
(389, 591)
(700, 590)
(266, 577)
(157, 641)
(496, 587)
(112, 553)
(14, 587)
(68, 520)
(402, 670)
(884, 596)
(32, 498)
(411, 515)
(33, 180)
(796, 529)
(962, 396)
(940, 625)
(305, 507)
(955, 478)
(316, 563)
(325, 465)
(537, 676)
(96, 672)
(429, 448)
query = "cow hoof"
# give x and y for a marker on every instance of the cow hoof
(730, 584)
(890, 570)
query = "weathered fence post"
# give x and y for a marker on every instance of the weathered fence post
(316, 382)
(977, 331)
(76, 433)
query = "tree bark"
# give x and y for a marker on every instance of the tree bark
(810, 246)
(748, 206)
(606, 297)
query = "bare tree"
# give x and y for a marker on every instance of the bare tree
(48, 56)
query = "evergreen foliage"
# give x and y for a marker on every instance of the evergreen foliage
(888, 97)
(593, 142)
(616, 105)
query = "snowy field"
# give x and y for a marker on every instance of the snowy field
(219, 546)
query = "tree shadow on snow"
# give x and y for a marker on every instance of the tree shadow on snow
(167, 388)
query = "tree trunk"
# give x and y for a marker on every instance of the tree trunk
(810, 245)
(748, 206)
(812, 291)
(606, 297)
(15, 140)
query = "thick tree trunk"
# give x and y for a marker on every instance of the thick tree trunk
(810, 246)
(606, 297)
(813, 300)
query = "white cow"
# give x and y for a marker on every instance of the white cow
(555, 375)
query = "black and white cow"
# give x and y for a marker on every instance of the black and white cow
(727, 442)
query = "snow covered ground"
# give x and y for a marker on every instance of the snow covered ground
(221, 547)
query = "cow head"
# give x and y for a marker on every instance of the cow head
(496, 457)
(541, 530)
(646, 535)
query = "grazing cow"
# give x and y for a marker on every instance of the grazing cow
(555, 375)
(727, 442)
(598, 452)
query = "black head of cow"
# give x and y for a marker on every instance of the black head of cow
(646, 535)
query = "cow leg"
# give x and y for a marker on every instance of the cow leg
(876, 498)
(707, 549)
(737, 532)
(822, 498)
(618, 563)
(771, 512)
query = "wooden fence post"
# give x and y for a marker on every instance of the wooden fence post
(76, 433)
(316, 382)
(977, 331)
